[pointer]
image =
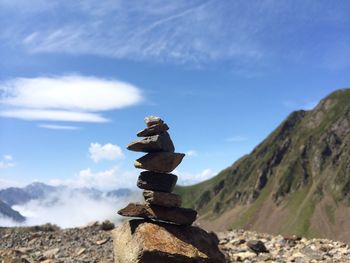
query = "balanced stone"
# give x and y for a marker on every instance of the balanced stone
(151, 120)
(176, 215)
(163, 162)
(154, 181)
(155, 143)
(162, 199)
(153, 130)
(139, 241)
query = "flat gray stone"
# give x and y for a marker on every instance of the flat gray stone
(176, 215)
(140, 241)
(164, 162)
(162, 199)
(156, 143)
(153, 130)
(157, 181)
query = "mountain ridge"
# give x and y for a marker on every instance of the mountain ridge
(296, 181)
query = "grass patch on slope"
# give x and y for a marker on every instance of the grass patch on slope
(301, 208)
(254, 207)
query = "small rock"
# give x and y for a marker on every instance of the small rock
(153, 130)
(51, 254)
(242, 256)
(24, 250)
(152, 120)
(311, 253)
(80, 252)
(157, 181)
(107, 225)
(177, 215)
(155, 143)
(163, 162)
(102, 241)
(257, 246)
(162, 199)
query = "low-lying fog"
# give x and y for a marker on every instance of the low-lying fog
(68, 208)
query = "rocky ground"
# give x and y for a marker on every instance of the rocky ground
(94, 244)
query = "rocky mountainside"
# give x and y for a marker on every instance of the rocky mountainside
(297, 181)
(7, 212)
(93, 243)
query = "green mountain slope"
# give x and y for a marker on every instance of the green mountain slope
(297, 181)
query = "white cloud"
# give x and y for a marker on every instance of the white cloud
(194, 32)
(105, 152)
(193, 178)
(65, 98)
(53, 115)
(191, 153)
(58, 127)
(181, 32)
(113, 178)
(237, 139)
(77, 93)
(7, 162)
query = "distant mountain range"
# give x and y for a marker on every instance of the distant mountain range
(12, 196)
(8, 212)
(297, 181)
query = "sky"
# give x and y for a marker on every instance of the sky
(78, 77)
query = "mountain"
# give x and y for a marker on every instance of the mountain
(16, 195)
(35, 191)
(122, 192)
(297, 181)
(7, 211)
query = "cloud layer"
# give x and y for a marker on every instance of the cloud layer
(71, 98)
(193, 32)
(114, 177)
(70, 208)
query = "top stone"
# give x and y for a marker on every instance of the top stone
(152, 120)
(155, 129)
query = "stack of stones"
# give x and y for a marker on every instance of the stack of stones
(164, 234)
(157, 181)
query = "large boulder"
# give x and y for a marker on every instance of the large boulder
(140, 241)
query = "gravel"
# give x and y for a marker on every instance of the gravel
(50, 244)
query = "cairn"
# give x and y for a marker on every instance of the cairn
(164, 234)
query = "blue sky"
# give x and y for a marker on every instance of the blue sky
(78, 77)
